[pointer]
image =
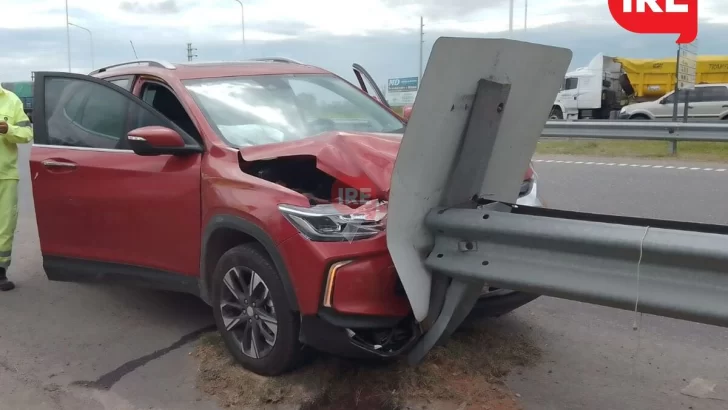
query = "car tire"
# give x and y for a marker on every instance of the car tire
(268, 343)
(640, 117)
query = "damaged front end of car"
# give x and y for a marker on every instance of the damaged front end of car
(362, 309)
(345, 179)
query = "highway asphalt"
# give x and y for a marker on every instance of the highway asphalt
(71, 346)
(593, 359)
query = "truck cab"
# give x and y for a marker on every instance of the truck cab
(592, 92)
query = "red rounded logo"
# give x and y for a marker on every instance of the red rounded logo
(658, 17)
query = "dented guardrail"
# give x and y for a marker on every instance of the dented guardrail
(452, 227)
(659, 267)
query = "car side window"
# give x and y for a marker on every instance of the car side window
(709, 94)
(166, 102)
(75, 102)
(124, 83)
(104, 114)
(670, 99)
(82, 113)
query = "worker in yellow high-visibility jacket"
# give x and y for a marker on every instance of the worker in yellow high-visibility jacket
(15, 128)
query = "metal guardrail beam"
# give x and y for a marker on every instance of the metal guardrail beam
(452, 229)
(637, 130)
(627, 263)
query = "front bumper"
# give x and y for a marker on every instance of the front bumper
(531, 197)
(326, 333)
(351, 300)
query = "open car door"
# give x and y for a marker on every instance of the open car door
(364, 78)
(98, 204)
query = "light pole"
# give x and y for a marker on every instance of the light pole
(242, 23)
(68, 39)
(510, 20)
(422, 42)
(91, 37)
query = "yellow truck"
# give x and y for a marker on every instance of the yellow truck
(601, 89)
(651, 78)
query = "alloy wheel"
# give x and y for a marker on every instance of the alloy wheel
(248, 312)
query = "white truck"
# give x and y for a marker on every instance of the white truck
(592, 92)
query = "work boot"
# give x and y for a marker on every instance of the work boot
(5, 284)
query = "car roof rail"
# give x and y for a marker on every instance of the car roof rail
(277, 60)
(149, 62)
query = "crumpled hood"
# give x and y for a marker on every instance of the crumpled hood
(360, 160)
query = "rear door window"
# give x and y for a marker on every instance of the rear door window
(709, 94)
(123, 82)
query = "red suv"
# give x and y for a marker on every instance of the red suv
(225, 180)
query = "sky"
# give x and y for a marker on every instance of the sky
(383, 36)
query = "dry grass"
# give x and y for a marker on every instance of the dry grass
(468, 370)
(695, 151)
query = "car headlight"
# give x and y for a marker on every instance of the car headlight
(337, 222)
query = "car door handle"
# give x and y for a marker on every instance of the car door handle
(725, 106)
(690, 106)
(50, 164)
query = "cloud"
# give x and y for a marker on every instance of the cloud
(163, 7)
(384, 36)
(452, 8)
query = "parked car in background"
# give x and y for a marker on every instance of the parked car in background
(224, 180)
(707, 102)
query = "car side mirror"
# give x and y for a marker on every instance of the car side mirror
(155, 140)
(407, 112)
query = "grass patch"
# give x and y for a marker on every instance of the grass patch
(469, 369)
(699, 151)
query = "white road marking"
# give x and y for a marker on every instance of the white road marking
(633, 165)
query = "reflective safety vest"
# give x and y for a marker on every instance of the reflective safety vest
(20, 131)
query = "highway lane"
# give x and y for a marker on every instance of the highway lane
(132, 344)
(593, 359)
(690, 192)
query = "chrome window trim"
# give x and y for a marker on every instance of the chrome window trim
(84, 148)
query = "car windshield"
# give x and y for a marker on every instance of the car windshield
(257, 110)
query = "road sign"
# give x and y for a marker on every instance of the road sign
(402, 91)
(462, 75)
(687, 63)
